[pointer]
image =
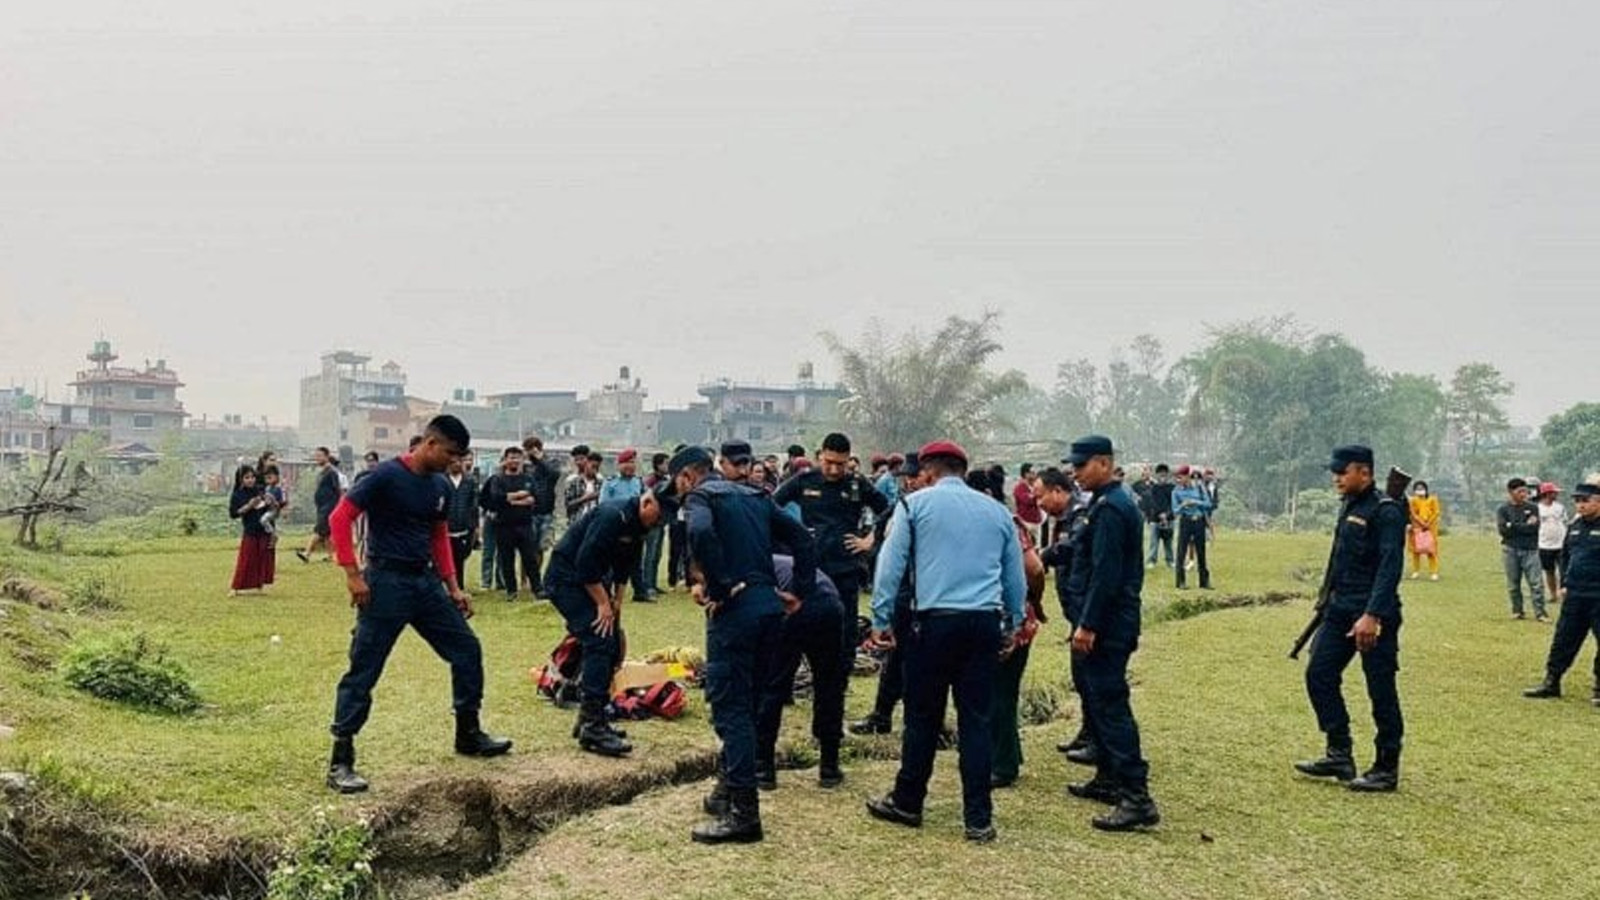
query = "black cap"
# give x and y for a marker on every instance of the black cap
(736, 452)
(688, 456)
(1585, 489)
(1344, 457)
(1087, 448)
(912, 465)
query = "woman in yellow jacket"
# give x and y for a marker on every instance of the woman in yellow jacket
(1424, 531)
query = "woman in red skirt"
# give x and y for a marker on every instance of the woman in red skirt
(254, 570)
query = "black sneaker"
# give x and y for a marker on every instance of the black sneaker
(1544, 690)
(884, 808)
(1096, 789)
(1130, 815)
(984, 835)
(829, 777)
(344, 779)
(871, 725)
(1334, 764)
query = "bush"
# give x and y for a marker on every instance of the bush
(131, 669)
(333, 861)
(97, 591)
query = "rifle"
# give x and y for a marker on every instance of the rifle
(1394, 490)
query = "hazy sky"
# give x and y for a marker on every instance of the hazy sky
(513, 194)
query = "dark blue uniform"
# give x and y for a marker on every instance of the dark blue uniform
(810, 632)
(832, 511)
(1103, 596)
(731, 530)
(1580, 613)
(1366, 565)
(892, 678)
(600, 548)
(402, 509)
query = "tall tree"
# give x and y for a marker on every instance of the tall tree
(1572, 442)
(1475, 410)
(917, 387)
(1411, 423)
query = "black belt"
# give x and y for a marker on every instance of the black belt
(941, 613)
(410, 567)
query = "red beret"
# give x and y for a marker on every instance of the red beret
(627, 456)
(800, 462)
(879, 459)
(896, 459)
(1184, 470)
(942, 448)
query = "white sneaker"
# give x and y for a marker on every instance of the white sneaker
(1415, 575)
(1434, 577)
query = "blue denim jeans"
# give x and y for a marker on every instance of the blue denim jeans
(1523, 565)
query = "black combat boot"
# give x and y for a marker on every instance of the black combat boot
(1078, 742)
(1085, 755)
(829, 775)
(766, 775)
(1099, 789)
(577, 726)
(740, 825)
(1134, 811)
(595, 737)
(716, 803)
(1337, 762)
(1548, 689)
(872, 724)
(1384, 775)
(471, 740)
(342, 775)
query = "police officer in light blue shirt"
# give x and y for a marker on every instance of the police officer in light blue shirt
(962, 553)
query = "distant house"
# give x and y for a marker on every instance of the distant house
(353, 408)
(126, 404)
(771, 415)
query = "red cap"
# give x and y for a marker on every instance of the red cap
(942, 448)
(1183, 470)
(1549, 487)
(879, 459)
(800, 462)
(627, 456)
(896, 459)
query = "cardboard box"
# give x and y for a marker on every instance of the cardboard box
(639, 674)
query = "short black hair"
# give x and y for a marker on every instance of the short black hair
(415, 440)
(512, 450)
(835, 442)
(371, 456)
(1053, 477)
(325, 451)
(451, 429)
(796, 451)
(657, 459)
(1515, 483)
(1163, 467)
(596, 456)
(978, 481)
(533, 442)
(580, 451)
(1026, 470)
(268, 470)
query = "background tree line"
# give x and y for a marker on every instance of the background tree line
(1262, 400)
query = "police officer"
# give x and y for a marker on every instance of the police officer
(409, 580)
(1104, 603)
(969, 587)
(1058, 499)
(589, 569)
(1362, 615)
(832, 499)
(809, 632)
(891, 678)
(731, 530)
(1580, 595)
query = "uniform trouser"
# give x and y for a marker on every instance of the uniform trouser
(1082, 690)
(741, 643)
(892, 679)
(1102, 680)
(544, 525)
(1192, 533)
(1160, 538)
(516, 539)
(644, 583)
(1520, 566)
(677, 552)
(949, 653)
(1580, 616)
(811, 633)
(460, 549)
(490, 556)
(400, 599)
(1005, 739)
(601, 655)
(849, 585)
(1331, 651)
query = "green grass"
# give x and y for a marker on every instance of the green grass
(1498, 795)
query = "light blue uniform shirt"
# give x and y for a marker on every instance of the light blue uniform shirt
(620, 488)
(968, 557)
(1191, 502)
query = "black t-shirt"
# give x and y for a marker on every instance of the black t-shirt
(401, 508)
(327, 494)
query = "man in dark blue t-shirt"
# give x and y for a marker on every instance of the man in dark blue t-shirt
(409, 580)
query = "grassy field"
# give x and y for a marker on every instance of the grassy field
(1498, 793)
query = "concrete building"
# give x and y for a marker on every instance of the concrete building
(771, 416)
(128, 405)
(352, 408)
(535, 412)
(28, 426)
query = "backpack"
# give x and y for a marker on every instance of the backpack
(666, 699)
(557, 680)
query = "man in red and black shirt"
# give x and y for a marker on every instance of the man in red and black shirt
(409, 580)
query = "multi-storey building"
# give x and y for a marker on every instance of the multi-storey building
(349, 407)
(126, 404)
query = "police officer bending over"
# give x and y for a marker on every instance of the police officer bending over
(968, 590)
(731, 529)
(812, 632)
(589, 569)
(1362, 615)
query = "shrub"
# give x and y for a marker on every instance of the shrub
(1040, 703)
(131, 669)
(97, 591)
(333, 861)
